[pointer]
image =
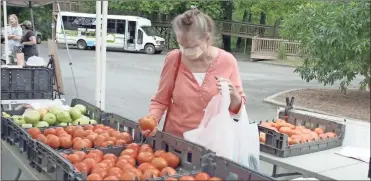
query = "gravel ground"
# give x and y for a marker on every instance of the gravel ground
(355, 104)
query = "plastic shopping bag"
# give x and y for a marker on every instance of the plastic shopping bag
(237, 141)
(35, 61)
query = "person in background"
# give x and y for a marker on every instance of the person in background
(14, 33)
(192, 75)
(29, 41)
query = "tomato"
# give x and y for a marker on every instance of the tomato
(115, 171)
(286, 130)
(297, 132)
(58, 129)
(167, 171)
(146, 148)
(274, 125)
(70, 129)
(42, 138)
(296, 141)
(94, 176)
(128, 158)
(319, 131)
(151, 173)
(331, 135)
(74, 140)
(129, 152)
(111, 178)
(65, 142)
(99, 140)
(102, 165)
(120, 143)
(91, 137)
(147, 123)
(123, 165)
(108, 143)
(323, 136)
(88, 127)
(144, 166)
(88, 143)
(79, 133)
(186, 178)
(171, 159)
(50, 131)
(95, 156)
(125, 136)
(110, 156)
(53, 141)
(159, 163)
(202, 176)
(290, 125)
(215, 178)
(158, 153)
(34, 132)
(90, 163)
(134, 147)
(79, 145)
(74, 158)
(110, 163)
(98, 152)
(113, 139)
(101, 171)
(129, 176)
(98, 131)
(81, 154)
(88, 132)
(82, 167)
(105, 134)
(144, 157)
(113, 132)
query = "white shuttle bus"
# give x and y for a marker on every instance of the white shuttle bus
(131, 33)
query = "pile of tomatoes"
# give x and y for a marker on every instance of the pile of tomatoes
(297, 134)
(100, 166)
(199, 176)
(78, 137)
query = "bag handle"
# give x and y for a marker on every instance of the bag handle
(177, 65)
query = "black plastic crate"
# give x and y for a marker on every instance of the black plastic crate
(224, 169)
(276, 143)
(26, 83)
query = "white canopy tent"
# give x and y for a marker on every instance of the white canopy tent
(101, 43)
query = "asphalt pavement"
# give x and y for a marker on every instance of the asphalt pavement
(132, 79)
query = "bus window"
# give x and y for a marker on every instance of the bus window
(121, 27)
(68, 22)
(140, 37)
(111, 26)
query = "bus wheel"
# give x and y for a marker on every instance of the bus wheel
(81, 45)
(150, 49)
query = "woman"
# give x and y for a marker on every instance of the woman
(29, 41)
(192, 75)
(14, 33)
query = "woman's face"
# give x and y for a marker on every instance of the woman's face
(12, 20)
(190, 46)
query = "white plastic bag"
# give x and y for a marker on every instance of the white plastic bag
(237, 141)
(35, 61)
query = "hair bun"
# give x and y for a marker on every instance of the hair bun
(187, 19)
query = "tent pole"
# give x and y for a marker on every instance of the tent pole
(98, 38)
(6, 33)
(31, 13)
(103, 54)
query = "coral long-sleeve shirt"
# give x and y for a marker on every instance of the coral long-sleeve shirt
(188, 99)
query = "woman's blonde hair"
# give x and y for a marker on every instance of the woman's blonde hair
(15, 17)
(194, 23)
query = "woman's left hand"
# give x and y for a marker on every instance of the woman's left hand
(232, 89)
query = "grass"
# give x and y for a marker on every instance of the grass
(289, 61)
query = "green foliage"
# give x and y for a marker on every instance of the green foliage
(335, 41)
(281, 51)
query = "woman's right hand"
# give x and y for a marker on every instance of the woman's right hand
(147, 121)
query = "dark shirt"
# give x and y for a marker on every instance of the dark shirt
(29, 50)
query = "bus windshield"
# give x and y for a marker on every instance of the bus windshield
(149, 30)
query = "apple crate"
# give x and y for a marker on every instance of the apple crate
(26, 83)
(225, 169)
(191, 155)
(276, 143)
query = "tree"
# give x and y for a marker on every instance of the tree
(335, 41)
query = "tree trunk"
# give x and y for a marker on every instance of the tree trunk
(228, 17)
(239, 39)
(262, 21)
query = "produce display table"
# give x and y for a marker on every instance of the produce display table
(323, 165)
(12, 160)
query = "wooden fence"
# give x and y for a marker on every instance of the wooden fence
(270, 49)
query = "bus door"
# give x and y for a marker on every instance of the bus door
(132, 34)
(120, 34)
